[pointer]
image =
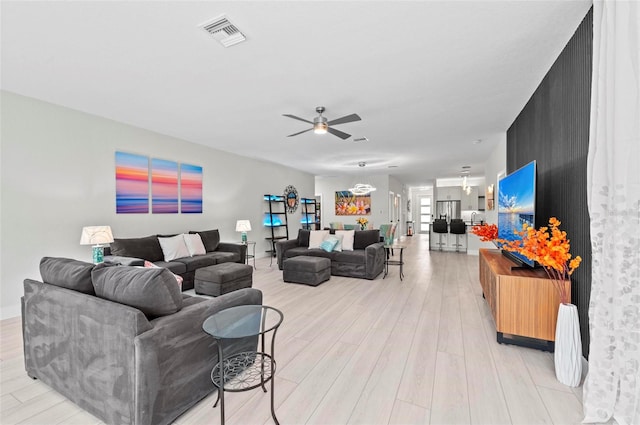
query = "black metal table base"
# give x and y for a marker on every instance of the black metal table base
(388, 262)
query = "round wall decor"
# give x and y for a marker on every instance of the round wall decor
(291, 197)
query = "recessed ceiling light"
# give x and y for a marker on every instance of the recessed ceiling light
(392, 166)
(477, 142)
(466, 167)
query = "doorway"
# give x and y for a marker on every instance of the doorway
(425, 213)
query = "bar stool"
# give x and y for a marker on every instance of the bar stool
(457, 227)
(440, 227)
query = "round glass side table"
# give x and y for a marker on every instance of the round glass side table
(245, 370)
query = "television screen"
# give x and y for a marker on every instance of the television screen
(516, 204)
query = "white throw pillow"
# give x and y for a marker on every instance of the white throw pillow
(173, 247)
(316, 237)
(194, 244)
(347, 239)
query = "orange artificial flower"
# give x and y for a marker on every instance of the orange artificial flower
(486, 232)
(548, 246)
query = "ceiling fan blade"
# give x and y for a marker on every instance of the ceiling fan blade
(297, 118)
(345, 119)
(338, 133)
(300, 132)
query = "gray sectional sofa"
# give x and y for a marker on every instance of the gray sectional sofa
(365, 261)
(135, 250)
(123, 342)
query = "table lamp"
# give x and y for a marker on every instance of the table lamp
(96, 236)
(243, 226)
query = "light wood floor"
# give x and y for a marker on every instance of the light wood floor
(354, 351)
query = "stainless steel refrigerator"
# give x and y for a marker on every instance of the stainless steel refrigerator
(448, 210)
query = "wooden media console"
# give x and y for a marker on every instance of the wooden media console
(524, 303)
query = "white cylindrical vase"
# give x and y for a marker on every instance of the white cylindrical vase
(568, 346)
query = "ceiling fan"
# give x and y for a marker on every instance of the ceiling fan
(322, 126)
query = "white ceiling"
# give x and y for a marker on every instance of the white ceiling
(427, 77)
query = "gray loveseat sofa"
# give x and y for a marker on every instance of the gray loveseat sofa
(135, 250)
(365, 261)
(122, 342)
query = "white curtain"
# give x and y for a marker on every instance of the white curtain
(612, 386)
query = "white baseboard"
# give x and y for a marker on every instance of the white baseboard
(10, 312)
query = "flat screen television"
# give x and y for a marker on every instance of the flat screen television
(516, 206)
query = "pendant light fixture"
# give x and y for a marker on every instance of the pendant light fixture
(362, 188)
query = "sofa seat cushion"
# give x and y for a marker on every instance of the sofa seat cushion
(188, 300)
(313, 252)
(198, 261)
(67, 273)
(147, 248)
(154, 291)
(352, 257)
(225, 257)
(175, 267)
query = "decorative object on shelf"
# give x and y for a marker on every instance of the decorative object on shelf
(362, 222)
(349, 204)
(291, 196)
(96, 236)
(243, 226)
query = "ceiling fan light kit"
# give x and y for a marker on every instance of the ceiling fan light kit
(320, 125)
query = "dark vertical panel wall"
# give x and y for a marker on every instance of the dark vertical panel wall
(553, 129)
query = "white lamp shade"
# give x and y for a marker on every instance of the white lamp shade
(243, 226)
(96, 235)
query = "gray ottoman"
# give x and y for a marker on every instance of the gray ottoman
(308, 270)
(223, 278)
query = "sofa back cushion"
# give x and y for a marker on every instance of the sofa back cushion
(154, 291)
(364, 238)
(210, 238)
(147, 248)
(67, 273)
(303, 237)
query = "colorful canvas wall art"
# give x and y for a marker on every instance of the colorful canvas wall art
(191, 189)
(349, 204)
(164, 186)
(132, 183)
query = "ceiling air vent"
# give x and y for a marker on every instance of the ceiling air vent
(224, 31)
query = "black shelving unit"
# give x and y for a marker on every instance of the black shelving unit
(275, 219)
(310, 218)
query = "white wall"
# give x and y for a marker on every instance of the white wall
(328, 186)
(58, 175)
(496, 163)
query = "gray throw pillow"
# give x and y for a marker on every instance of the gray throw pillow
(154, 291)
(364, 238)
(147, 248)
(210, 239)
(67, 273)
